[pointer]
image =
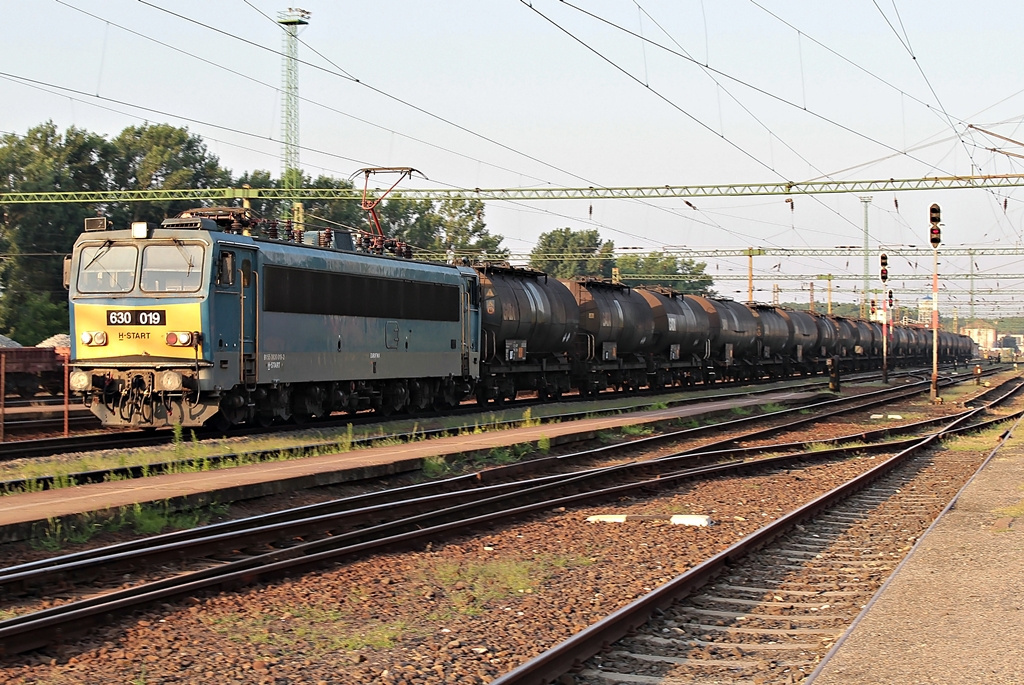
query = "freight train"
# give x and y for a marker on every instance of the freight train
(198, 321)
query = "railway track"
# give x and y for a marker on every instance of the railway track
(835, 407)
(768, 609)
(42, 447)
(357, 526)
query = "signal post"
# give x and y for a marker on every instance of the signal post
(883, 275)
(935, 237)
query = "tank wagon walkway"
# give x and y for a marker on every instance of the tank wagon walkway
(954, 611)
(18, 513)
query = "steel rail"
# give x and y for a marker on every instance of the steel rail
(137, 438)
(422, 490)
(568, 654)
(33, 630)
(102, 441)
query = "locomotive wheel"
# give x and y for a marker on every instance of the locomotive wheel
(219, 422)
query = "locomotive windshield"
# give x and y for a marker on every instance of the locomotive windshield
(172, 268)
(107, 268)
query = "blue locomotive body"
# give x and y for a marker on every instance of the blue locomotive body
(264, 330)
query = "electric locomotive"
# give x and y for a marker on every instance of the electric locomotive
(196, 321)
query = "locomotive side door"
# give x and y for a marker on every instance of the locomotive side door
(248, 307)
(470, 326)
(235, 327)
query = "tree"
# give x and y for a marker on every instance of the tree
(161, 157)
(565, 253)
(413, 221)
(435, 227)
(261, 207)
(37, 236)
(335, 214)
(463, 228)
(684, 275)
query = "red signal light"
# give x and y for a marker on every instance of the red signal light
(883, 274)
(935, 235)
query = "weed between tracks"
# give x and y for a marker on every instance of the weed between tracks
(143, 519)
(455, 589)
(192, 456)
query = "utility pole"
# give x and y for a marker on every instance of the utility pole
(828, 277)
(812, 297)
(970, 256)
(751, 253)
(291, 176)
(866, 201)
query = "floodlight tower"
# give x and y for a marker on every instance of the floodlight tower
(291, 176)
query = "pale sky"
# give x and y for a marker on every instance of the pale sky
(505, 93)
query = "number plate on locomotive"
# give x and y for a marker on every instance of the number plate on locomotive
(136, 317)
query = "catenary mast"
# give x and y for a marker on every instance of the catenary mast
(291, 175)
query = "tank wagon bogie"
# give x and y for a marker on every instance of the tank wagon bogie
(195, 321)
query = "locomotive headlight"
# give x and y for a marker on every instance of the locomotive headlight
(94, 338)
(169, 380)
(80, 380)
(179, 338)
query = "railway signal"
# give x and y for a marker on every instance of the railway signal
(935, 236)
(890, 299)
(883, 273)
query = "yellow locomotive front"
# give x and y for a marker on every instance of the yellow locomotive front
(138, 311)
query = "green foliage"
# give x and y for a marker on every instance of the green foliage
(436, 226)
(544, 444)
(436, 466)
(37, 236)
(684, 275)
(160, 157)
(637, 430)
(565, 253)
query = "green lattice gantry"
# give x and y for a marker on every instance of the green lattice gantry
(591, 193)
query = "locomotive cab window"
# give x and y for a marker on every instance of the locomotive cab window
(246, 272)
(172, 268)
(226, 268)
(107, 268)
